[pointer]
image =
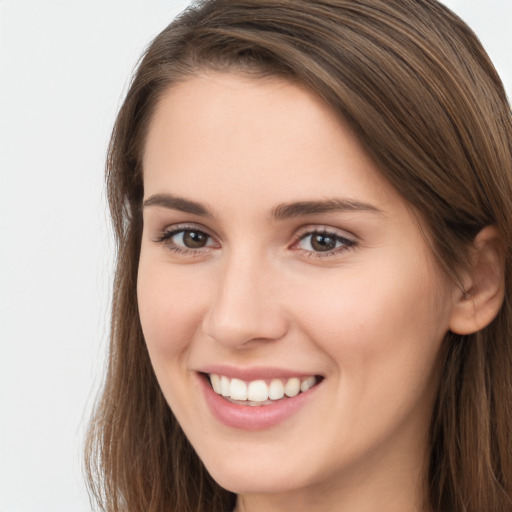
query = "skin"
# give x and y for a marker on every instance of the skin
(368, 317)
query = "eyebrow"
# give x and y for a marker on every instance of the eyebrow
(335, 205)
(177, 203)
(282, 211)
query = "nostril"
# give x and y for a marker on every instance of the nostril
(241, 312)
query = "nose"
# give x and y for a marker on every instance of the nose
(245, 307)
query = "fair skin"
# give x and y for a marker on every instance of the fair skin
(235, 284)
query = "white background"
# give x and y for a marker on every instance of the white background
(64, 66)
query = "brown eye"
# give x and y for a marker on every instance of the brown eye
(317, 242)
(194, 239)
(186, 240)
(322, 242)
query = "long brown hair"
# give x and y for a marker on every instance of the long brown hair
(415, 86)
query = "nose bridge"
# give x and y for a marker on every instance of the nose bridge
(245, 306)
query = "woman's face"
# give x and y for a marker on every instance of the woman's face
(275, 257)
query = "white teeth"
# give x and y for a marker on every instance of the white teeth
(224, 386)
(307, 383)
(258, 392)
(215, 380)
(238, 389)
(276, 389)
(292, 387)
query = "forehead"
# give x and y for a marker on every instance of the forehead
(266, 139)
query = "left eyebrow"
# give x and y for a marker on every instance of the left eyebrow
(297, 209)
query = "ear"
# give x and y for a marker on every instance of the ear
(478, 303)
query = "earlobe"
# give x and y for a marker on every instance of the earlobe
(479, 302)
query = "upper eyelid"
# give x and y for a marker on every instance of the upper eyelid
(342, 233)
(344, 239)
(186, 226)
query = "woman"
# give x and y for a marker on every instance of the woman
(312, 202)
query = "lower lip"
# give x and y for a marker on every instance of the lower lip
(246, 417)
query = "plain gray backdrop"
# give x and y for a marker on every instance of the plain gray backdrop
(64, 66)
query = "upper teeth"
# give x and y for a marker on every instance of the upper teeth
(260, 390)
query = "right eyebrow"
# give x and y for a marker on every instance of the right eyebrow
(177, 203)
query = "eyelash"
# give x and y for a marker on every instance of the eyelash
(165, 238)
(346, 243)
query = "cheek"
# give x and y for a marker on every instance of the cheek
(170, 314)
(382, 334)
(385, 323)
(170, 309)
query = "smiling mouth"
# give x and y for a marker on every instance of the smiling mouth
(260, 392)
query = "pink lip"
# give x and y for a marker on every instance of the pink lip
(246, 417)
(253, 373)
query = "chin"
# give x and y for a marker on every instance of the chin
(251, 483)
(251, 476)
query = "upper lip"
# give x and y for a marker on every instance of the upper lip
(253, 373)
